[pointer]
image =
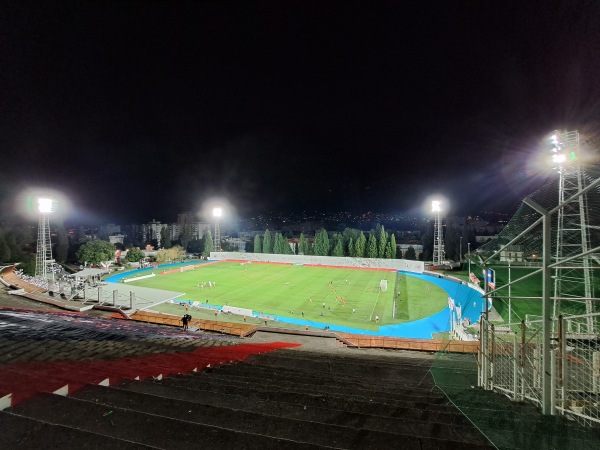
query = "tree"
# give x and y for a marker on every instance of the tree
(81, 236)
(208, 243)
(193, 246)
(96, 252)
(338, 250)
(281, 245)
(303, 247)
(337, 237)
(185, 237)
(176, 253)
(267, 244)
(321, 245)
(10, 238)
(277, 244)
(351, 248)
(393, 247)
(5, 255)
(382, 240)
(165, 237)
(372, 246)
(134, 254)
(62, 244)
(350, 236)
(410, 253)
(388, 251)
(361, 245)
(257, 246)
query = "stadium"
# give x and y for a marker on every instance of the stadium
(300, 351)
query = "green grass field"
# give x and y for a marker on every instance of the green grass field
(350, 297)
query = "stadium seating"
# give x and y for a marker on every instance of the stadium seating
(197, 390)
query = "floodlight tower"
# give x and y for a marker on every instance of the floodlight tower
(572, 233)
(44, 246)
(217, 213)
(438, 234)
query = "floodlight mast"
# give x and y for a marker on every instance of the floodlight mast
(438, 237)
(43, 256)
(572, 232)
(217, 213)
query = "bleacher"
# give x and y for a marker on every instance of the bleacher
(73, 381)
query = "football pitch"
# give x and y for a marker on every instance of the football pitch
(303, 294)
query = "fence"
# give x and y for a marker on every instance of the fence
(234, 329)
(511, 362)
(333, 261)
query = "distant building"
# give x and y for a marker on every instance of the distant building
(116, 238)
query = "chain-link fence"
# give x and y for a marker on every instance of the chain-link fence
(511, 362)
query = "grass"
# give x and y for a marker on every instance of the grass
(346, 297)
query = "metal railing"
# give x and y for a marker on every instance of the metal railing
(511, 362)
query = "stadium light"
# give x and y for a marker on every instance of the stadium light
(438, 239)
(45, 205)
(217, 213)
(43, 255)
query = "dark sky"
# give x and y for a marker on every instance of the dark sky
(141, 110)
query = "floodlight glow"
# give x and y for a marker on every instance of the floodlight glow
(217, 212)
(558, 158)
(436, 206)
(45, 205)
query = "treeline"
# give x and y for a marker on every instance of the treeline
(350, 242)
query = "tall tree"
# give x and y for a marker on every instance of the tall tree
(16, 252)
(337, 237)
(350, 234)
(257, 246)
(321, 245)
(62, 243)
(382, 240)
(165, 237)
(207, 242)
(361, 246)
(393, 247)
(5, 255)
(372, 246)
(410, 253)
(194, 245)
(388, 251)
(277, 243)
(338, 250)
(267, 244)
(303, 247)
(351, 248)
(81, 236)
(186, 237)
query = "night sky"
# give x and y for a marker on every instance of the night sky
(140, 110)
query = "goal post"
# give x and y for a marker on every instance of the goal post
(383, 285)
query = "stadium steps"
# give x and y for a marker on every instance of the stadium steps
(251, 373)
(439, 425)
(132, 426)
(23, 433)
(266, 423)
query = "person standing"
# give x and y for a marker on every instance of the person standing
(184, 320)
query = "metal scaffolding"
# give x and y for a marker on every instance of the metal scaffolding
(572, 273)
